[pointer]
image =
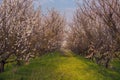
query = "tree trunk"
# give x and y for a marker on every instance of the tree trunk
(107, 63)
(2, 64)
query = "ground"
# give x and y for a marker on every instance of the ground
(57, 66)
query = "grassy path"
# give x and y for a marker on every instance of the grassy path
(55, 66)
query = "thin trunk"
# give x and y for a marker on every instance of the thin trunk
(2, 64)
(107, 63)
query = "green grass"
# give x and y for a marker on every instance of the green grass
(54, 66)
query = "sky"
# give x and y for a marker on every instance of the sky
(66, 7)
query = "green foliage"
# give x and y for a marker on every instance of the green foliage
(54, 66)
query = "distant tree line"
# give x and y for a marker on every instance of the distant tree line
(95, 31)
(25, 32)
